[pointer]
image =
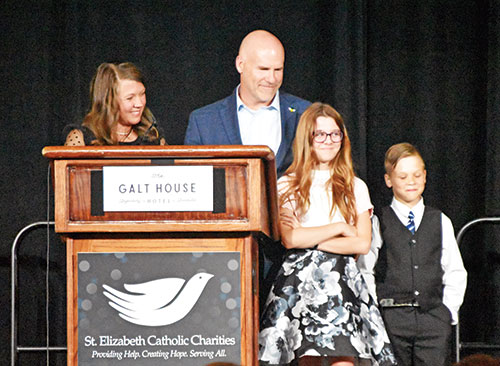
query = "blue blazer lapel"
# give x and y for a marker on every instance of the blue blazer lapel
(229, 120)
(289, 122)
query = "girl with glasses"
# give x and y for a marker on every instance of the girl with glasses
(319, 307)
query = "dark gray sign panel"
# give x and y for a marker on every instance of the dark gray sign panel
(159, 308)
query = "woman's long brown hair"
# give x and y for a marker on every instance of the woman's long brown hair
(300, 173)
(104, 110)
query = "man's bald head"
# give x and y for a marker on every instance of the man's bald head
(260, 63)
(260, 39)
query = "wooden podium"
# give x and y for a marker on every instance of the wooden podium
(248, 212)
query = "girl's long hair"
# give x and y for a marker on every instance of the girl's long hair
(104, 109)
(300, 173)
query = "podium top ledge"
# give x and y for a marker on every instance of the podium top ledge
(167, 151)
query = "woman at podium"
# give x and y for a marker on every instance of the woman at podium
(118, 114)
(319, 308)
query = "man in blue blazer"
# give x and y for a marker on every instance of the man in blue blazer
(257, 113)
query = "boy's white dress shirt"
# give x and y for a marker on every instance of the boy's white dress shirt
(455, 275)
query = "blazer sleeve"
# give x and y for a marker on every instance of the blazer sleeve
(192, 136)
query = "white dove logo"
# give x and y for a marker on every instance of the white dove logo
(160, 302)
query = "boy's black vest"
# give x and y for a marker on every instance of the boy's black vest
(409, 266)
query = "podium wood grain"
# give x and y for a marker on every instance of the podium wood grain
(251, 211)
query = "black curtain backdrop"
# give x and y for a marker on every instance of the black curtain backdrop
(426, 72)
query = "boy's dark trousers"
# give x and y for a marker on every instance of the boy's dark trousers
(419, 338)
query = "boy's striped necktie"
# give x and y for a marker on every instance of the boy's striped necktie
(411, 224)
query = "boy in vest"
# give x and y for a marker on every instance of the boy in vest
(415, 265)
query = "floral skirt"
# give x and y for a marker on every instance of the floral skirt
(319, 305)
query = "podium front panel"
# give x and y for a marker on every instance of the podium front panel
(103, 271)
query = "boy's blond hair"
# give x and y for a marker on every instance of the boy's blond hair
(397, 152)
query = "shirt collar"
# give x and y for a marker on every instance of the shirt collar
(404, 210)
(275, 104)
